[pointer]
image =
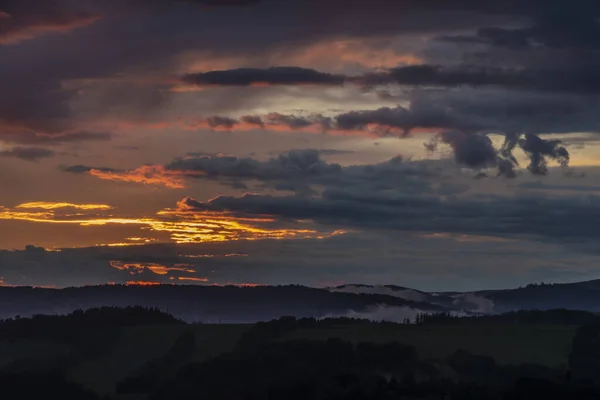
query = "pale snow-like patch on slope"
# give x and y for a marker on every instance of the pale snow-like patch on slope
(406, 294)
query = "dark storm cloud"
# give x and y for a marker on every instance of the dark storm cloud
(538, 150)
(542, 216)
(477, 151)
(28, 153)
(570, 80)
(567, 28)
(474, 110)
(575, 79)
(269, 76)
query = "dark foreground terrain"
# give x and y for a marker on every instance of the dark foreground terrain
(141, 353)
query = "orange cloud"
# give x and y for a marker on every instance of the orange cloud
(56, 205)
(188, 278)
(147, 174)
(136, 268)
(181, 226)
(142, 283)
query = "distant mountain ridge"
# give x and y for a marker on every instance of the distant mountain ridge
(197, 303)
(583, 296)
(233, 304)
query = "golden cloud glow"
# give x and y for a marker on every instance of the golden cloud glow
(182, 226)
(137, 268)
(142, 283)
(188, 278)
(53, 206)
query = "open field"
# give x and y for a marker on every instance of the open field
(548, 345)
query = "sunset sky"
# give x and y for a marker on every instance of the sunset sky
(435, 144)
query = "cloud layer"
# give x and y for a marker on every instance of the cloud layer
(319, 125)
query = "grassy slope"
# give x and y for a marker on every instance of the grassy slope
(548, 345)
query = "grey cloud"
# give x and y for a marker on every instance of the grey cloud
(509, 111)
(28, 153)
(569, 27)
(216, 122)
(252, 120)
(270, 76)
(327, 152)
(296, 122)
(297, 165)
(539, 149)
(34, 265)
(541, 216)
(33, 138)
(574, 79)
(491, 110)
(303, 170)
(465, 117)
(477, 151)
(538, 185)
(370, 257)
(82, 169)
(25, 19)
(172, 28)
(224, 3)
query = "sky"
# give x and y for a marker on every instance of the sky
(434, 144)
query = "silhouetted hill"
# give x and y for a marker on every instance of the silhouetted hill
(234, 304)
(573, 296)
(200, 303)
